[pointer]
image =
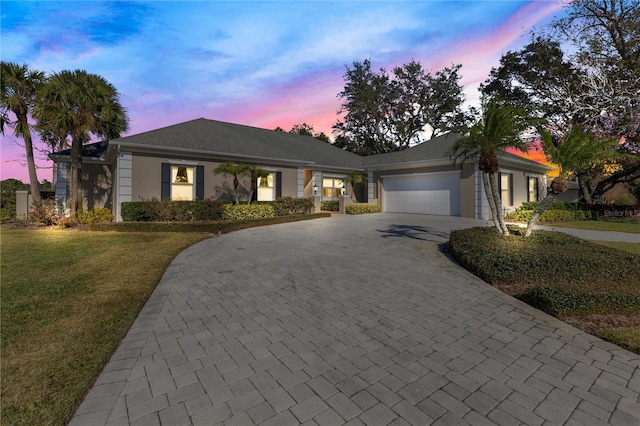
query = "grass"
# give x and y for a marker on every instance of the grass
(628, 337)
(68, 298)
(633, 248)
(560, 274)
(613, 225)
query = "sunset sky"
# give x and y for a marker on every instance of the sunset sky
(259, 63)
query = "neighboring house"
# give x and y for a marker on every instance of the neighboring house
(177, 162)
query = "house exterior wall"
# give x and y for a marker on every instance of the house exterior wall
(520, 186)
(97, 186)
(468, 191)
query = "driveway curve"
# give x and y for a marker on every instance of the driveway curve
(352, 320)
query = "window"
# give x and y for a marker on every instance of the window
(182, 187)
(331, 187)
(505, 184)
(266, 188)
(182, 182)
(532, 189)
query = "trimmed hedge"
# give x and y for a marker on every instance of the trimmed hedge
(284, 206)
(553, 271)
(95, 216)
(247, 211)
(330, 206)
(556, 205)
(171, 211)
(550, 215)
(562, 302)
(362, 208)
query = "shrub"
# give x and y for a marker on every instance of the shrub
(103, 215)
(569, 302)
(45, 214)
(362, 208)
(247, 211)
(556, 205)
(550, 215)
(171, 211)
(546, 259)
(330, 206)
(284, 206)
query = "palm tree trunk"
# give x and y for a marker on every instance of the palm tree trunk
(498, 201)
(540, 209)
(31, 165)
(492, 202)
(74, 187)
(584, 188)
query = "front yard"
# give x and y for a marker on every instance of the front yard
(591, 285)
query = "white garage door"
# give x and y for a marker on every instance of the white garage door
(427, 193)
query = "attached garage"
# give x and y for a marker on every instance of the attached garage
(424, 193)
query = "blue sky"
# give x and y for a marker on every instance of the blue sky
(260, 63)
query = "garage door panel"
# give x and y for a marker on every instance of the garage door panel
(425, 194)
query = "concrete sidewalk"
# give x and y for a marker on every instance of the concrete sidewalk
(587, 234)
(352, 320)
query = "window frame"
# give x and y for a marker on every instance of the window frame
(336, 191)
(509, 189)
(535, 190)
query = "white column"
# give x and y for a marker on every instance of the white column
(124, 181)
(300, 182)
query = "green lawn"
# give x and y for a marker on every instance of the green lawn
(633, 248)
(627, 225)
(68, 298)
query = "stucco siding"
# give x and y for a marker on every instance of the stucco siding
(289, 181)
(468, 191)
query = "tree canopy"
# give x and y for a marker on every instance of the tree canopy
(583, 70)
(79, 104)
(19, 87)
(385, 113)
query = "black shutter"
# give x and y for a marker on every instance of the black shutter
(254, 194)
(278, 184)
(511, 189)
(165, 192)
(199, 182)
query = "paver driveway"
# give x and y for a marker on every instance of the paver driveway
(358, 320)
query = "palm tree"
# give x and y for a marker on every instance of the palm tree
(499, 128)
(80, 104)
(354, 179)
(19, 86)
(229, 168)
(578, 150)
(255, 172)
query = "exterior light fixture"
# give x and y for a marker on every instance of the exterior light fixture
(315, 189)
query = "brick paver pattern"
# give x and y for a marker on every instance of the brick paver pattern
(352, 320)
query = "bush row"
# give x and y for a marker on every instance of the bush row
(171, 211)
(556, 205)
(550, 215)
(330, 206)
(362, 208)
(562, 302)
(247, 211)
(210, 210)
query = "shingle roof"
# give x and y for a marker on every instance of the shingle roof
(235, 139)
(217, 137)
(92, 150)
(433, 149)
